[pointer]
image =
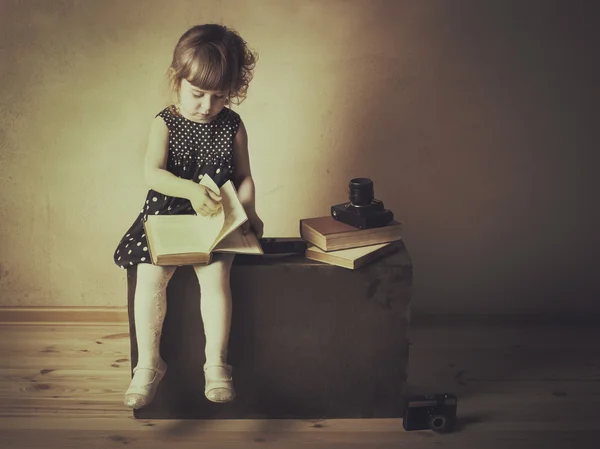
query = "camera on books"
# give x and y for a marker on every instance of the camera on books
(363, 211)
(436, 412)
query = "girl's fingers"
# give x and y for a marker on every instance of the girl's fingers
(212, 208)
(213, 196)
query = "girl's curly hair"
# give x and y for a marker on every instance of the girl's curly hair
(213, 57)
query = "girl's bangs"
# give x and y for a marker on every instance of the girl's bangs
(209, 71)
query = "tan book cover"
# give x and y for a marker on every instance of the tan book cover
(192, 239)
(351, 258)
(329, 234)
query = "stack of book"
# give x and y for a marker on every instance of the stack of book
(337, 243)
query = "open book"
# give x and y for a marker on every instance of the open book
(192, 239)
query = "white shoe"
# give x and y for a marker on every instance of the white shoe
(138, 396)
(219, 383)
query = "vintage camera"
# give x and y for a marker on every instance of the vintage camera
(363, 211)
(436, 412)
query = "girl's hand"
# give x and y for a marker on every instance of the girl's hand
(255, 223)
(206, 202)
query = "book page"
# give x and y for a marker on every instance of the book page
(211, 225)
(207, 181)
(235, 215)
(180, 234)
(237, 242)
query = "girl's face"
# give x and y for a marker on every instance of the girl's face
(200, 105)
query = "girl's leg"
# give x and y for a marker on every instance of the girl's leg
(150, 307)
(215, 306)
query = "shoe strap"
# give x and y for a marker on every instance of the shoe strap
(226, 378)
(226, 366)
(150, 368)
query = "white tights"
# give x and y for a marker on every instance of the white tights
(150, 307)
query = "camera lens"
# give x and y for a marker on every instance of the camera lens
(439, 423)
(361, 191)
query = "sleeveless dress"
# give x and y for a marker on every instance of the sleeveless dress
(195, 149)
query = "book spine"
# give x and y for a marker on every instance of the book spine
(311, 236)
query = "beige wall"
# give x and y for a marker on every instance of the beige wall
(476, 120)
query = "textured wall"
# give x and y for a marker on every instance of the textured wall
(477, 121)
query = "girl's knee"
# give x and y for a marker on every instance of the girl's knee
(153, 276)
(216, 272)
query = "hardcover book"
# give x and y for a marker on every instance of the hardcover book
(351, 258)
(330, 234)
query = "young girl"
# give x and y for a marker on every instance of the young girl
(195, 136)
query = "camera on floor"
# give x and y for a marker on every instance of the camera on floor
(436, 412)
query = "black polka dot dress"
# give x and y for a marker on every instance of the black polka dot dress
(195, 149)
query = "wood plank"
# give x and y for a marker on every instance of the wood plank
(526, 404)
(28, 346)
(62, 383)
(194, 435)
(59, 315)
(328, 426)
(45, 336)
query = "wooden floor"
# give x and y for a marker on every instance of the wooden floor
(519, 386)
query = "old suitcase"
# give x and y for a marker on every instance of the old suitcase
(308, 340)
